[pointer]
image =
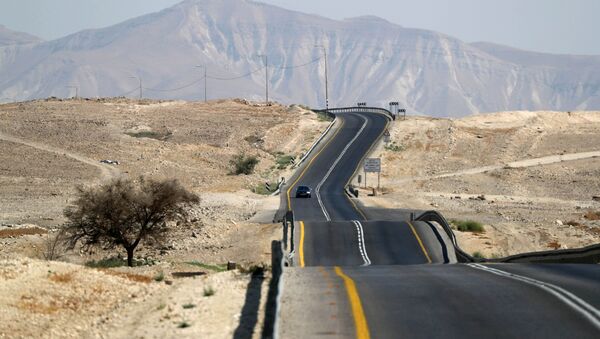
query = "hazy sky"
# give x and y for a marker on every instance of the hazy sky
(557, 26)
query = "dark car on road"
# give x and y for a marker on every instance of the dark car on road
(303, 192)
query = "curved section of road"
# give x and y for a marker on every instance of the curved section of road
(367, 278)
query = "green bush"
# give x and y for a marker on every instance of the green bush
(151, 135)
(160, 276)
(478, 255)
(118, 262)
(324, 117)
(209, 291)
(468, 226)
(262, 189)
(216, 268)
(243, 164)
(184, 324)
(393, 147)
(283, 161)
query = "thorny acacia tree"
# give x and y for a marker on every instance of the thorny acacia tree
(124, 212)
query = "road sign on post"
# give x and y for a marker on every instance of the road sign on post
(386, 136)
(372, 165)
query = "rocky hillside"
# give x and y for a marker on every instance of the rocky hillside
(10, 37)
(370, 60)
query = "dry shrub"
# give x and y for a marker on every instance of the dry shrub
(17, 232)
(53, 248)
(61, 277)
(130, 276)
(30, 304)
(592, 215)
(554, 245)
(124, 212)
(46, 303)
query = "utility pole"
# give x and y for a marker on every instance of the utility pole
(140, 79)
(76, 91)
(205, 77)
(326, 76)
(266, 62)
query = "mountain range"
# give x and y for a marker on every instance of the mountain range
(369, 60)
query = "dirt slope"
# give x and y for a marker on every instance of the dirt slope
(50, 146)
(529, 177)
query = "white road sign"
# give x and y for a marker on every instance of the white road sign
(373, 165)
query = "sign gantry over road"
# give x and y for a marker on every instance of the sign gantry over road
(373, 165)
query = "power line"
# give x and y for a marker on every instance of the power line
(237, 77)
(174, 89)
(222, 78)
(127, 93)
(302, 65)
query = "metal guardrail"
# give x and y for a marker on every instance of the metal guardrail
(436, 216)
(282, 252)
(585, 255)
(331, 112)
(315, 144)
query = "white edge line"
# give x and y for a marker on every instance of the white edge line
(318, 189)
(576, 303)
(361, 243)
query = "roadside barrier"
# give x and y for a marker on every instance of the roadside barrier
(585, 255)
(282, 255)
(330, 112)
(435, 216)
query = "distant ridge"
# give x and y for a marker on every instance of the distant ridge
(10, 37)
(370, 59)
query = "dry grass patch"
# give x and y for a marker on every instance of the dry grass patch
(129, 276)
(46, 303)
(592, 215)
(61, 277)
(554, 245)
(18, 232)
(29, 303)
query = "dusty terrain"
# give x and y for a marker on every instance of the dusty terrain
(50, 146)
(529, 177)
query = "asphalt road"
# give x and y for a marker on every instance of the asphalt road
(372, 273)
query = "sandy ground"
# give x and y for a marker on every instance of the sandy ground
(529, 177)
(51, 146)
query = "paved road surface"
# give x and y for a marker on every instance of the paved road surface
(356, 276)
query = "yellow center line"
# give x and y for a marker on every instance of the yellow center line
(289, 201)
(360, 321)
(420, 242)
(301, 247)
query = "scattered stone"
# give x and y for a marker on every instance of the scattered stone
(559, 222)
(596, 198)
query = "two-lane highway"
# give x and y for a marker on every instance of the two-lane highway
(355, 277)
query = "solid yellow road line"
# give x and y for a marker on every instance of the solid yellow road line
(289, 201)
(360, 321)
(420, 242)
(301, 247)
(356, 208)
